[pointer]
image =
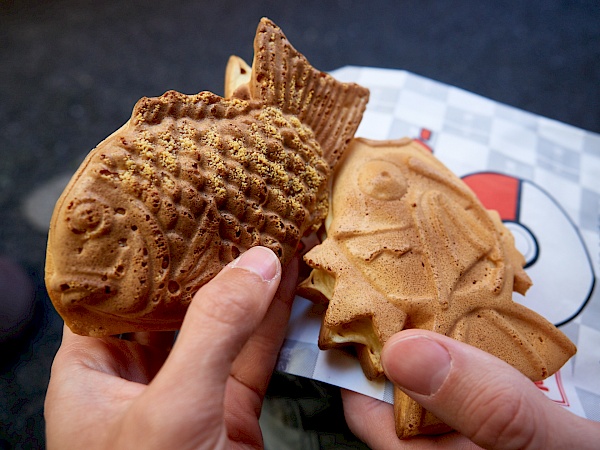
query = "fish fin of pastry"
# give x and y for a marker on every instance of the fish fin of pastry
(317, 287)
(412, 419)
(320, 283)
(522, 282)
(357, 313)
(283, 77)
(517, 335)
(386, 320)
(237, 76)
(514, 334)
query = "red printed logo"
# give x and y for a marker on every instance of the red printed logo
(554, 389)
(556, 258)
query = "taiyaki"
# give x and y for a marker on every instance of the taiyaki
(409, 245)
(189, 182)
(237, 75)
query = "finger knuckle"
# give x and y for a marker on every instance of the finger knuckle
(505, 425)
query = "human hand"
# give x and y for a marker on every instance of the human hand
(206, 392)
(490, 403)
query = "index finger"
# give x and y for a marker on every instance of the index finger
(219, 321)
(254, 365)
(372, 421)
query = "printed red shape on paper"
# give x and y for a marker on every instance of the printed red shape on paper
(497, 191)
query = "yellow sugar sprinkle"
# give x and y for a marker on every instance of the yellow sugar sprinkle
(168, 183)
(168, 160)
(147, 170)
(126, 177)
(218, 185)
(312, 177)
(212, 137)
(272, 120)
(272, 131)
(295, 204)
(296, 187)
(214, 161)
(271, 87)
(145, 148)
(188, 143)
(241, 176)
(129, 163)
(185, 129)
(146, 154)
(237, 148)
(280, 121)
(295, 122)
(257, 138)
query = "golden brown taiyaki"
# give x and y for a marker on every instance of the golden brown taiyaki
(409, 245)
(191, 181)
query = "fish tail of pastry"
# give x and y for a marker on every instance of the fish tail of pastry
(412, 419)
(519, 336)
(283, 77)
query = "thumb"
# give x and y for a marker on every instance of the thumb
(480, 395)
(220, 319)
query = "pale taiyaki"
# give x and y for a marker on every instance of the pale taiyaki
(191, 181)
(410, 246)
(237, 74)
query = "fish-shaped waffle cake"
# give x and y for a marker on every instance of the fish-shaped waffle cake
(189, 182)
(237, 75)
(409, 245)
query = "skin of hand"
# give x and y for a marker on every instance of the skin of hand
(491, 404)
(206, 392)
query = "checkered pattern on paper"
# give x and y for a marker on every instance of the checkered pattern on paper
(470, 133)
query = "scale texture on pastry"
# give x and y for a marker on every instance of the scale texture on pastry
(191, 181)
(409, 245)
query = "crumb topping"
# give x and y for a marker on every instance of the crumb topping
(240, 153)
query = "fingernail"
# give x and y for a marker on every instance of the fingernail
(259, 260)
(417, 363)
